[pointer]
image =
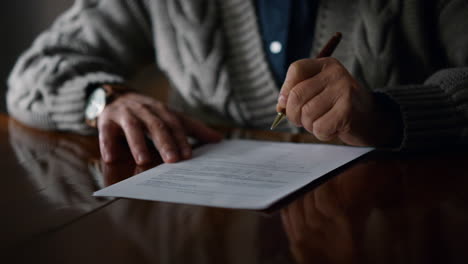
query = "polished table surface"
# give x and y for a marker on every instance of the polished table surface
(383, 208)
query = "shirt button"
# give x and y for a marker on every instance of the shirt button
(275, 47)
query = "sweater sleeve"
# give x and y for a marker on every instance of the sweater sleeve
(435, 114)
(95, 42)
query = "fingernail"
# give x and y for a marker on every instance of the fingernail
(282, 100)
(170, 156)
(141, 159)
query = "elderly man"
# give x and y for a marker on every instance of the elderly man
(398, 79)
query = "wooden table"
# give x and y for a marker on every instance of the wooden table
(384, 208)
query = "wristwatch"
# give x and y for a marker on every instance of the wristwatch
(99, 98)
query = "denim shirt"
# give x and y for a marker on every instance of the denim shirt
(287, 28)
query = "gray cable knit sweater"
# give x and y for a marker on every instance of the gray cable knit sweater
(414, 51)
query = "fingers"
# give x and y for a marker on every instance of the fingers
(109, 133)
(180, 126)
(200, 131)
(136, 117)
(311, 99)
(161, 135)
(306, 110)
(320, 76)
(334, 122)
(174, 124)
(298, 71)
(316, 108)
(134, 132)
(323, 97)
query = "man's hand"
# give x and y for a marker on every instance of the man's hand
(135, 116)
(322, 96)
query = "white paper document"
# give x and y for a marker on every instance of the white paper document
(242, 174)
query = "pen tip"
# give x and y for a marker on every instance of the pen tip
(277, 121)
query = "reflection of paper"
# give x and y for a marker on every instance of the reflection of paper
(240, 174)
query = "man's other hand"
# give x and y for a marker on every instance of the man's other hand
(136, 116)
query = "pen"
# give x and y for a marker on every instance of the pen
(325, 52)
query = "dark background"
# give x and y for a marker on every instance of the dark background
(20, 22)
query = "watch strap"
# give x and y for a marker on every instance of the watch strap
(114, 90)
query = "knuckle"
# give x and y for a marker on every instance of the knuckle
(309, 108)
(156, 103)
(130, 122)
(156, 125)
(105, 115)
(131, 95)
(139, 106)
(174, 121)
(163, 107)
(318, 128)
(338, 72)
(109, 108)
(322, 131)
(325, 78)
(120, 110)
(296, 69)
(104, 124)
(118, 101)
(294, 96)
(294, 115)
(332, 61)
(166, 146)
(335, 73)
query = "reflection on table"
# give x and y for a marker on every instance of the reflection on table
(48, 185)
(384, 208)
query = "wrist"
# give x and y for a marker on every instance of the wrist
(99, 98)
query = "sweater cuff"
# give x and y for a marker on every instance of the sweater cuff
(429, 116)
(70, 115)
(63, 110)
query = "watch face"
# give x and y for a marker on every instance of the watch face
(96, 104)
